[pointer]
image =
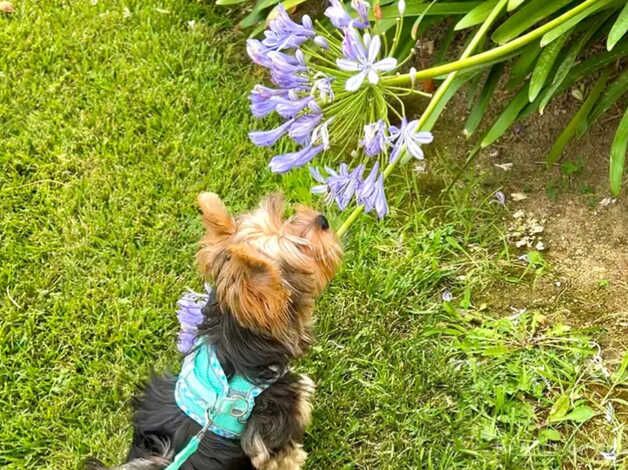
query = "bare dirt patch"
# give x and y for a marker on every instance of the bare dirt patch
(585, 233)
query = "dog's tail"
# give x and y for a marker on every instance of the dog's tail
(149, 462)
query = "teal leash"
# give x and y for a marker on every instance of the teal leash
(192, 445)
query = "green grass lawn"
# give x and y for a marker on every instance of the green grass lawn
(113, 116)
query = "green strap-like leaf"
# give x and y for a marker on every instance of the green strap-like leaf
(478, 110)
(618, 155)
(533, 12)
(568, 132)
(513, 4)
(451, 91)
(438, 9)
(595, 63)
(572, 22)
(475, 16)
(415, 27)
(619, 28)
(228, 2)
(506, 118)
(523, 66)
(617, 88)
(569, 59)
(544, 65)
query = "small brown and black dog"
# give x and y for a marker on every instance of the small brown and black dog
(266, 272)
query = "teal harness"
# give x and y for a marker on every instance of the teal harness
(217, 404)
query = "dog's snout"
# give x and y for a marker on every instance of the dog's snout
(322, 222)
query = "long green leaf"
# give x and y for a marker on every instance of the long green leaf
(595, 63)
(523, 66)
(531, 13)
(617, 88)
(618, 155)
(415, 27)
(619, 28)
(513, 4)
(572, 22)
(566, 135)
(569, 58)
(475, 16)
(438, 9)
(228, 2)
(451, 91)
(544, 65)
(506, 118)
(478, 110)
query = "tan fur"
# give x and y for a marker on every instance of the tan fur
(266, 269)
(304, 405)
(291, 458)
(251, 286)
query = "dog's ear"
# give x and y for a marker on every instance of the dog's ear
(251, 287)
(219, 226)
(216, 217)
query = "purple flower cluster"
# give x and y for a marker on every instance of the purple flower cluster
(306, 85)
(295, 98)
(190, 316)
(377, 139)
(360, 55)
(343, 185)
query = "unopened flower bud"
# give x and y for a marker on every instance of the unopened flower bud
(402, 7)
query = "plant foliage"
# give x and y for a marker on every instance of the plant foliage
(542, 48)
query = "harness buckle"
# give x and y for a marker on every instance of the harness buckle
(238, 413)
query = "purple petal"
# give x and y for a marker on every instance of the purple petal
(374, 46)
(302, 127)
(289, 108)
(362, 8)
(385, 65)
(373, 77)
(337, 14)
(288, 161)
(381, 205)
(258, 52)
(348, 65)
(353, 83)
(268, 138)
(320, 41)
(352, 46)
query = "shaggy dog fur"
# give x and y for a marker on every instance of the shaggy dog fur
(267, 272)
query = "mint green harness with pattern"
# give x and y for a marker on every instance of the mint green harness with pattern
(217, 404)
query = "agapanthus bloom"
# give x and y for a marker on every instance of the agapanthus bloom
(322, 106)
(190, 315)
(408, 138)
(375, 140)
(361, 56)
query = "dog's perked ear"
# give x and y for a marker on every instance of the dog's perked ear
(216, 218)
(251, 287)
(219, 226)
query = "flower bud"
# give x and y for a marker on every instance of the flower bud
(377, 12)
(402, 7)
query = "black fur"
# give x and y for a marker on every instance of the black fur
(162, 429)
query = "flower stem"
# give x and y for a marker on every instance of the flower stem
(480, 33)
(490, 55)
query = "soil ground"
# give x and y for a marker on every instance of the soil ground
(585, 232)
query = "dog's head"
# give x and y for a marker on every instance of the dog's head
(267, 270)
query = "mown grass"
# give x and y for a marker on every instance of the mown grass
(113, 116)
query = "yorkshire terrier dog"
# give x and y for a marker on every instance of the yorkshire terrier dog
(266, 272)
